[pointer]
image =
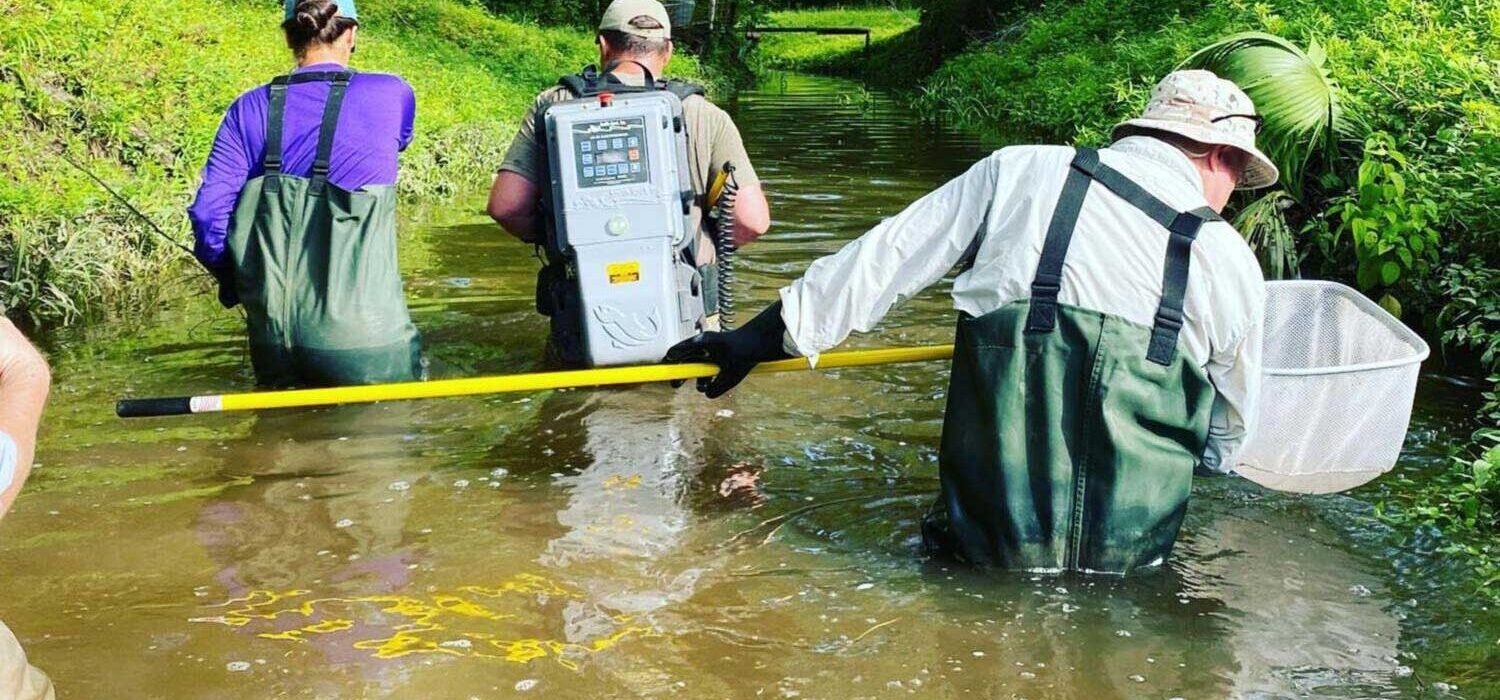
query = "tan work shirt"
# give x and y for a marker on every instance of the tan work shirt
(712, 137)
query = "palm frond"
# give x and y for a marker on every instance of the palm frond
(1301, 103)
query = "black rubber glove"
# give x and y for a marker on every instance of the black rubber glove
(229, 294)
(736, 352)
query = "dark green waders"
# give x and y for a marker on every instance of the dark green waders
(315, 267)
(1071, 436)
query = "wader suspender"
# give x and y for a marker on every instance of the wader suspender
(276, 117)
(1086, 169)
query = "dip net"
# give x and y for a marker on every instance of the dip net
(1339, 381)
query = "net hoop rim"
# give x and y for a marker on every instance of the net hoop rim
(1406, 334)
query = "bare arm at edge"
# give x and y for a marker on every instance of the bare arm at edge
(752, 215)
(24, 383)
(513, 205)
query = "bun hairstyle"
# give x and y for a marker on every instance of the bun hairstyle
(315, 22)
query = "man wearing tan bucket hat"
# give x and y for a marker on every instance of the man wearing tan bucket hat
(1109, 333)
(635, 45)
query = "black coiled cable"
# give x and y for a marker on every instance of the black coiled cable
(724, 247)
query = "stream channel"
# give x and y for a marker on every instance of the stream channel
(647, 543)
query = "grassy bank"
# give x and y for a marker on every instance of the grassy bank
(133, 92)
(838, 54)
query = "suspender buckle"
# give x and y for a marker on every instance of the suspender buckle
(1046, 285)
(1186, 224)
(1086, 161)
(1043, 315)
(1169, 318)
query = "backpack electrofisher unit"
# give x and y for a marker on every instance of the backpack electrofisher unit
(620, 198)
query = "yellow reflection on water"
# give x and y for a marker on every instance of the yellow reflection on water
(473, 622)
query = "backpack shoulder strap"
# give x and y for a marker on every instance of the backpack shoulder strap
(682, 89)
(578, 85)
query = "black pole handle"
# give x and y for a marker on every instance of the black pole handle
(152, 408)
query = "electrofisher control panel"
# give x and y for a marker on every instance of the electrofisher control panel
(611, 152)
(620, 196)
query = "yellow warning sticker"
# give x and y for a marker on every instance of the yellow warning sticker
(623, 272)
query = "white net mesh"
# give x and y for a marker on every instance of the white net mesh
(1340, 377)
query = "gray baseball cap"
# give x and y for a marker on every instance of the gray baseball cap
(620, 12)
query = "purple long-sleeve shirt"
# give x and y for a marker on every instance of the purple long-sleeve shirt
(375, 125)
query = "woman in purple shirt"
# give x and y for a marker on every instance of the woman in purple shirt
(296, 213)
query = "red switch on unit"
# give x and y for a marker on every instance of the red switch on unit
(606, 99)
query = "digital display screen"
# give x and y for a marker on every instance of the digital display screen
(610, 152)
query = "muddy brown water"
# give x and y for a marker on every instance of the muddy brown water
(647, 543)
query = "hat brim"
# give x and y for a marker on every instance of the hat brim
(1259, 171)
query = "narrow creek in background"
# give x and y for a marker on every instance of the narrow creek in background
(646, 542)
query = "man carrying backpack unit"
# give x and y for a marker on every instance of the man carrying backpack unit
(635, 46)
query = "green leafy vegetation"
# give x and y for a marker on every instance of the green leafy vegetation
(133, 92)
(1393, 234)
(577, 13)
(1383, 126)
(1301, 103)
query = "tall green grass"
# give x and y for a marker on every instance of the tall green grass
(134, 90)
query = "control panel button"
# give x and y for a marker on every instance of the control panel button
(618, 225)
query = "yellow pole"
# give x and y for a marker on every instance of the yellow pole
(540, 381)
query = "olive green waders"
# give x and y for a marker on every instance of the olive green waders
(1071, 436)
(315, 267)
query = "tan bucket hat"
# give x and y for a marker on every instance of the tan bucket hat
(619, 13)
(1203, 107)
